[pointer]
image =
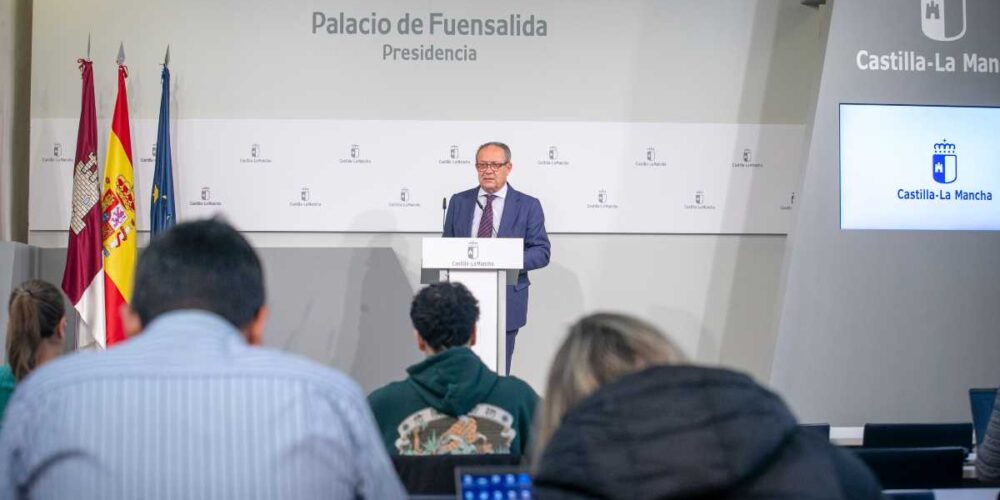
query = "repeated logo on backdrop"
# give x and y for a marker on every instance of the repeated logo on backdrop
(55, 155)
(648, 159)
(305, 199)
(285, 176)
(355, 156)
(454, 157)
(700, 202)
(205, 199)
(256, 155)
(603, 200)
(551, 158)
(746, 160)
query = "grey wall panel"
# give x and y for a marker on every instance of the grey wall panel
(343, 307)
(18, 263)
(882, 325)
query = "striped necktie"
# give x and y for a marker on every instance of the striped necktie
(486, 221)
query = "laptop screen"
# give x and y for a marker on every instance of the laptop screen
(493, 483)
(981, 401)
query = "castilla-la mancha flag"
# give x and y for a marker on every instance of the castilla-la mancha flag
(83, 278)
(118, 215)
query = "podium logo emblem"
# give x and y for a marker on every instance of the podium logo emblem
(304, 195)
(154, 150)
(791, 199)
(473, 250)
(650, 154)
(699, 197)
(454, 153)
(404, 195)
(943, 20)
(57, 150)
(553, 153)
(206, 194)
(944, 163)
(602, 196)
(355, 151)
(255, 151)
(747, 155)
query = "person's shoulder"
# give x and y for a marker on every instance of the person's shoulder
(467, 194)
(66, 370)
(516, 387)
(523, 197)
(7, 379)
(388, 394)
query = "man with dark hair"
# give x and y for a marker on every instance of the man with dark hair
(494, 209)
(192, 407)
(452, 403)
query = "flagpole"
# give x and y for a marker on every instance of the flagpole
(162, 213)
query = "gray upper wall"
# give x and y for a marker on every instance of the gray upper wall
(602, 60)
(887, 325)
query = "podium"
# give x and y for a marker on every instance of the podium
(485, 266)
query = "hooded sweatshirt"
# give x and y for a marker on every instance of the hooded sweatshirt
(452, 403)
(693, 432)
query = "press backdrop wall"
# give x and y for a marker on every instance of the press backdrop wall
(664, 139)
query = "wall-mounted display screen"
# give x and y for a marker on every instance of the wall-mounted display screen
(919, 167)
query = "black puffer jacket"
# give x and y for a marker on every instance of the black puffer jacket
(693, 432)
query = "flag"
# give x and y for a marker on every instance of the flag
(83, 277)
(161, 211)
(118, 216)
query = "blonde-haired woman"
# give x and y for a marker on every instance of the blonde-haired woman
(625, 417)
(36, 325)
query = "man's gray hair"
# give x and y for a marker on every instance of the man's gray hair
(497, 144)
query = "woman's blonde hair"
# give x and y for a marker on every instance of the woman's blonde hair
(35, 310)
(599, 349)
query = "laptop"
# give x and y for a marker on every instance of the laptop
(501, 482)
(981, 401)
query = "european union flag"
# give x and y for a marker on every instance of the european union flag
(161, 213)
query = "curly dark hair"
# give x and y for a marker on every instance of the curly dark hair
(444, 315)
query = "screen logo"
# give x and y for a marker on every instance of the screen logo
(944, 163)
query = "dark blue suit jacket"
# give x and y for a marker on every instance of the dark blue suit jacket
(522, 218)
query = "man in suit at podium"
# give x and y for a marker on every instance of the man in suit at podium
(495, 210)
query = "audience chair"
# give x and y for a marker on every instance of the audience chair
(981, 403)
(909, 495)
(915, 468)
(820, 429)
(435, 475)
(918, 435)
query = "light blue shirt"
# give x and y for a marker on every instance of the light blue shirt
(501, 195)
(189, 410)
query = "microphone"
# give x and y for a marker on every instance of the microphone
(444, 210)
(493, 231)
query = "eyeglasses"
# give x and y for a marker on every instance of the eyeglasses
(490, 165)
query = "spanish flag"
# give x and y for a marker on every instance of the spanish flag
(118, 230)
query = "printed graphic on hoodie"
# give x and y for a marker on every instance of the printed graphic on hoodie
(484, 430)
